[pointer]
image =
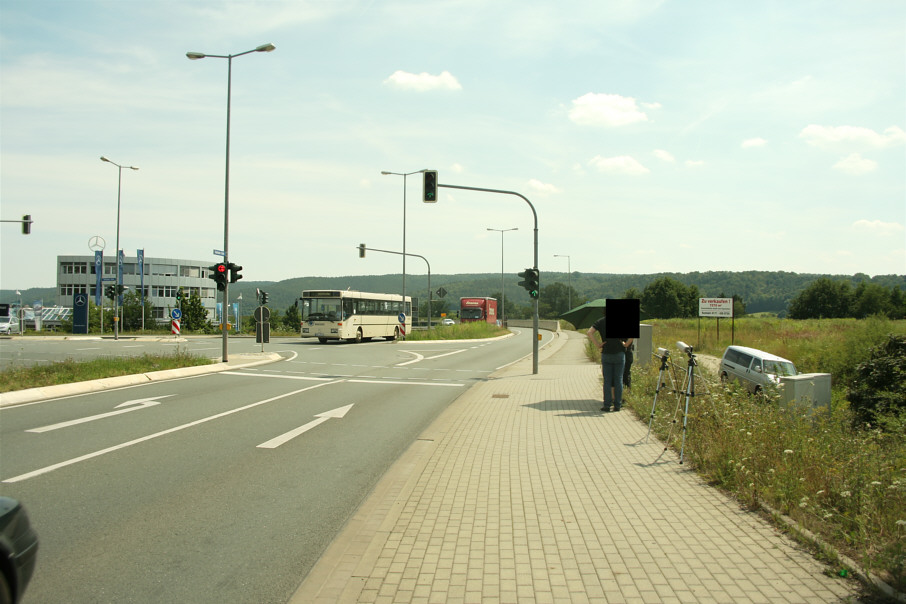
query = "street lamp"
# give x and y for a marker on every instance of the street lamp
(226, 195)
(569, 279)
(502, 288)
(404, 175)
(116, 298)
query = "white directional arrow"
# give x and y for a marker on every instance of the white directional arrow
(322, 417)
(127, 407)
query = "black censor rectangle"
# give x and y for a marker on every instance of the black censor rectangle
(621, 319)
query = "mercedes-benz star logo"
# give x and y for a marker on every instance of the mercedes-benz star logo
(96, 243)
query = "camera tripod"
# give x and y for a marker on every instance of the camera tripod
(665, 360)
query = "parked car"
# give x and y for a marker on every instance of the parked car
(18, 550)
(9, 325)
(755, 369)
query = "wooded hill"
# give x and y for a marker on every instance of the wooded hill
(762, 291)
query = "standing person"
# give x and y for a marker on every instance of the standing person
(613, 360)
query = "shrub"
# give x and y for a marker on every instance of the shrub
(879, 387)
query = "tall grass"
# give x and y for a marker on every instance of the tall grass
(845, 484)
(834, 346)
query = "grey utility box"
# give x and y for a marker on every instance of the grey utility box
(642, 345)
(806, 390)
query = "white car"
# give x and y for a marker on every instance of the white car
(9, 325)
(448, 322)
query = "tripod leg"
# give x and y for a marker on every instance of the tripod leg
(690, 392)
(660, 384)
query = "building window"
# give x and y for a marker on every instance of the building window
(164, 291)
(73, 268)
(69, 289)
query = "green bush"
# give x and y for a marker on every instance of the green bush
(879, 387)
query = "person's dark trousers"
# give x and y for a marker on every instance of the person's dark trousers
(612, 368)
(627, 377)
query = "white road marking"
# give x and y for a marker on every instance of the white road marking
(322, 417)
(203, 420)
(127, 407)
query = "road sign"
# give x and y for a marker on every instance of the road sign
(402, 317)
(174, 327)
(262, 314)
(219, 253)
(441, 292)
(176, 313)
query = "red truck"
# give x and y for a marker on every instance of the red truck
(478, 309)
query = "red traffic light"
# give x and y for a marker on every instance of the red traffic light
(221, 268)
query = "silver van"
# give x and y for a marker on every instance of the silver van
(755, 369)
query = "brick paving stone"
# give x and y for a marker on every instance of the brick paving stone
(539, 497)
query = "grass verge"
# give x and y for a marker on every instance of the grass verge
(460, 331)
(68, 371)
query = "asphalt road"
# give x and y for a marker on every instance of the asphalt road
(224, 487)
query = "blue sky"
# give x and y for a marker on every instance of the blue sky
(649, 135)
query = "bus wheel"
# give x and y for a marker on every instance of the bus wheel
(358, 336)
(396, 334)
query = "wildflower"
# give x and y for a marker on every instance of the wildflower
(875, 483)
(828, 516)
(845, 494)
(787, 451)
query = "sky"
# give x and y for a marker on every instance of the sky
(647, 135)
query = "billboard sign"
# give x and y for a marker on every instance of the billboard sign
(715, 307)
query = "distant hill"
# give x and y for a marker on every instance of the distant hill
(762, 291)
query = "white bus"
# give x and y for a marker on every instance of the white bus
(351, 315)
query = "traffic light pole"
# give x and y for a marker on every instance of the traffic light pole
(535, 301)
(363, 249)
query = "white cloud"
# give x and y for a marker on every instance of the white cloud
(694, 163)
(540, 187)
(877, 227)
(836, 136)
(753, 142)
(605, 110)
(663, 155)
(618, 165)
(423, 82)
(855, 164)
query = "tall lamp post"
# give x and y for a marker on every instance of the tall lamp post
(502, 287)
(569, 279)
(194, 56)
(116, 297)
(404, 175)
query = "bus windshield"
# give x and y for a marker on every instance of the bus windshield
(321, 309)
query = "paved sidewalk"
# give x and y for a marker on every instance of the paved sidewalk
(522, 491)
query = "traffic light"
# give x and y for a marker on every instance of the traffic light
(361, 250)
(110, 291)
(530, 277)
(219, 275)
(179, 296)
(263, 298)
(26, 224)
(234, 272)
(430, 190)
